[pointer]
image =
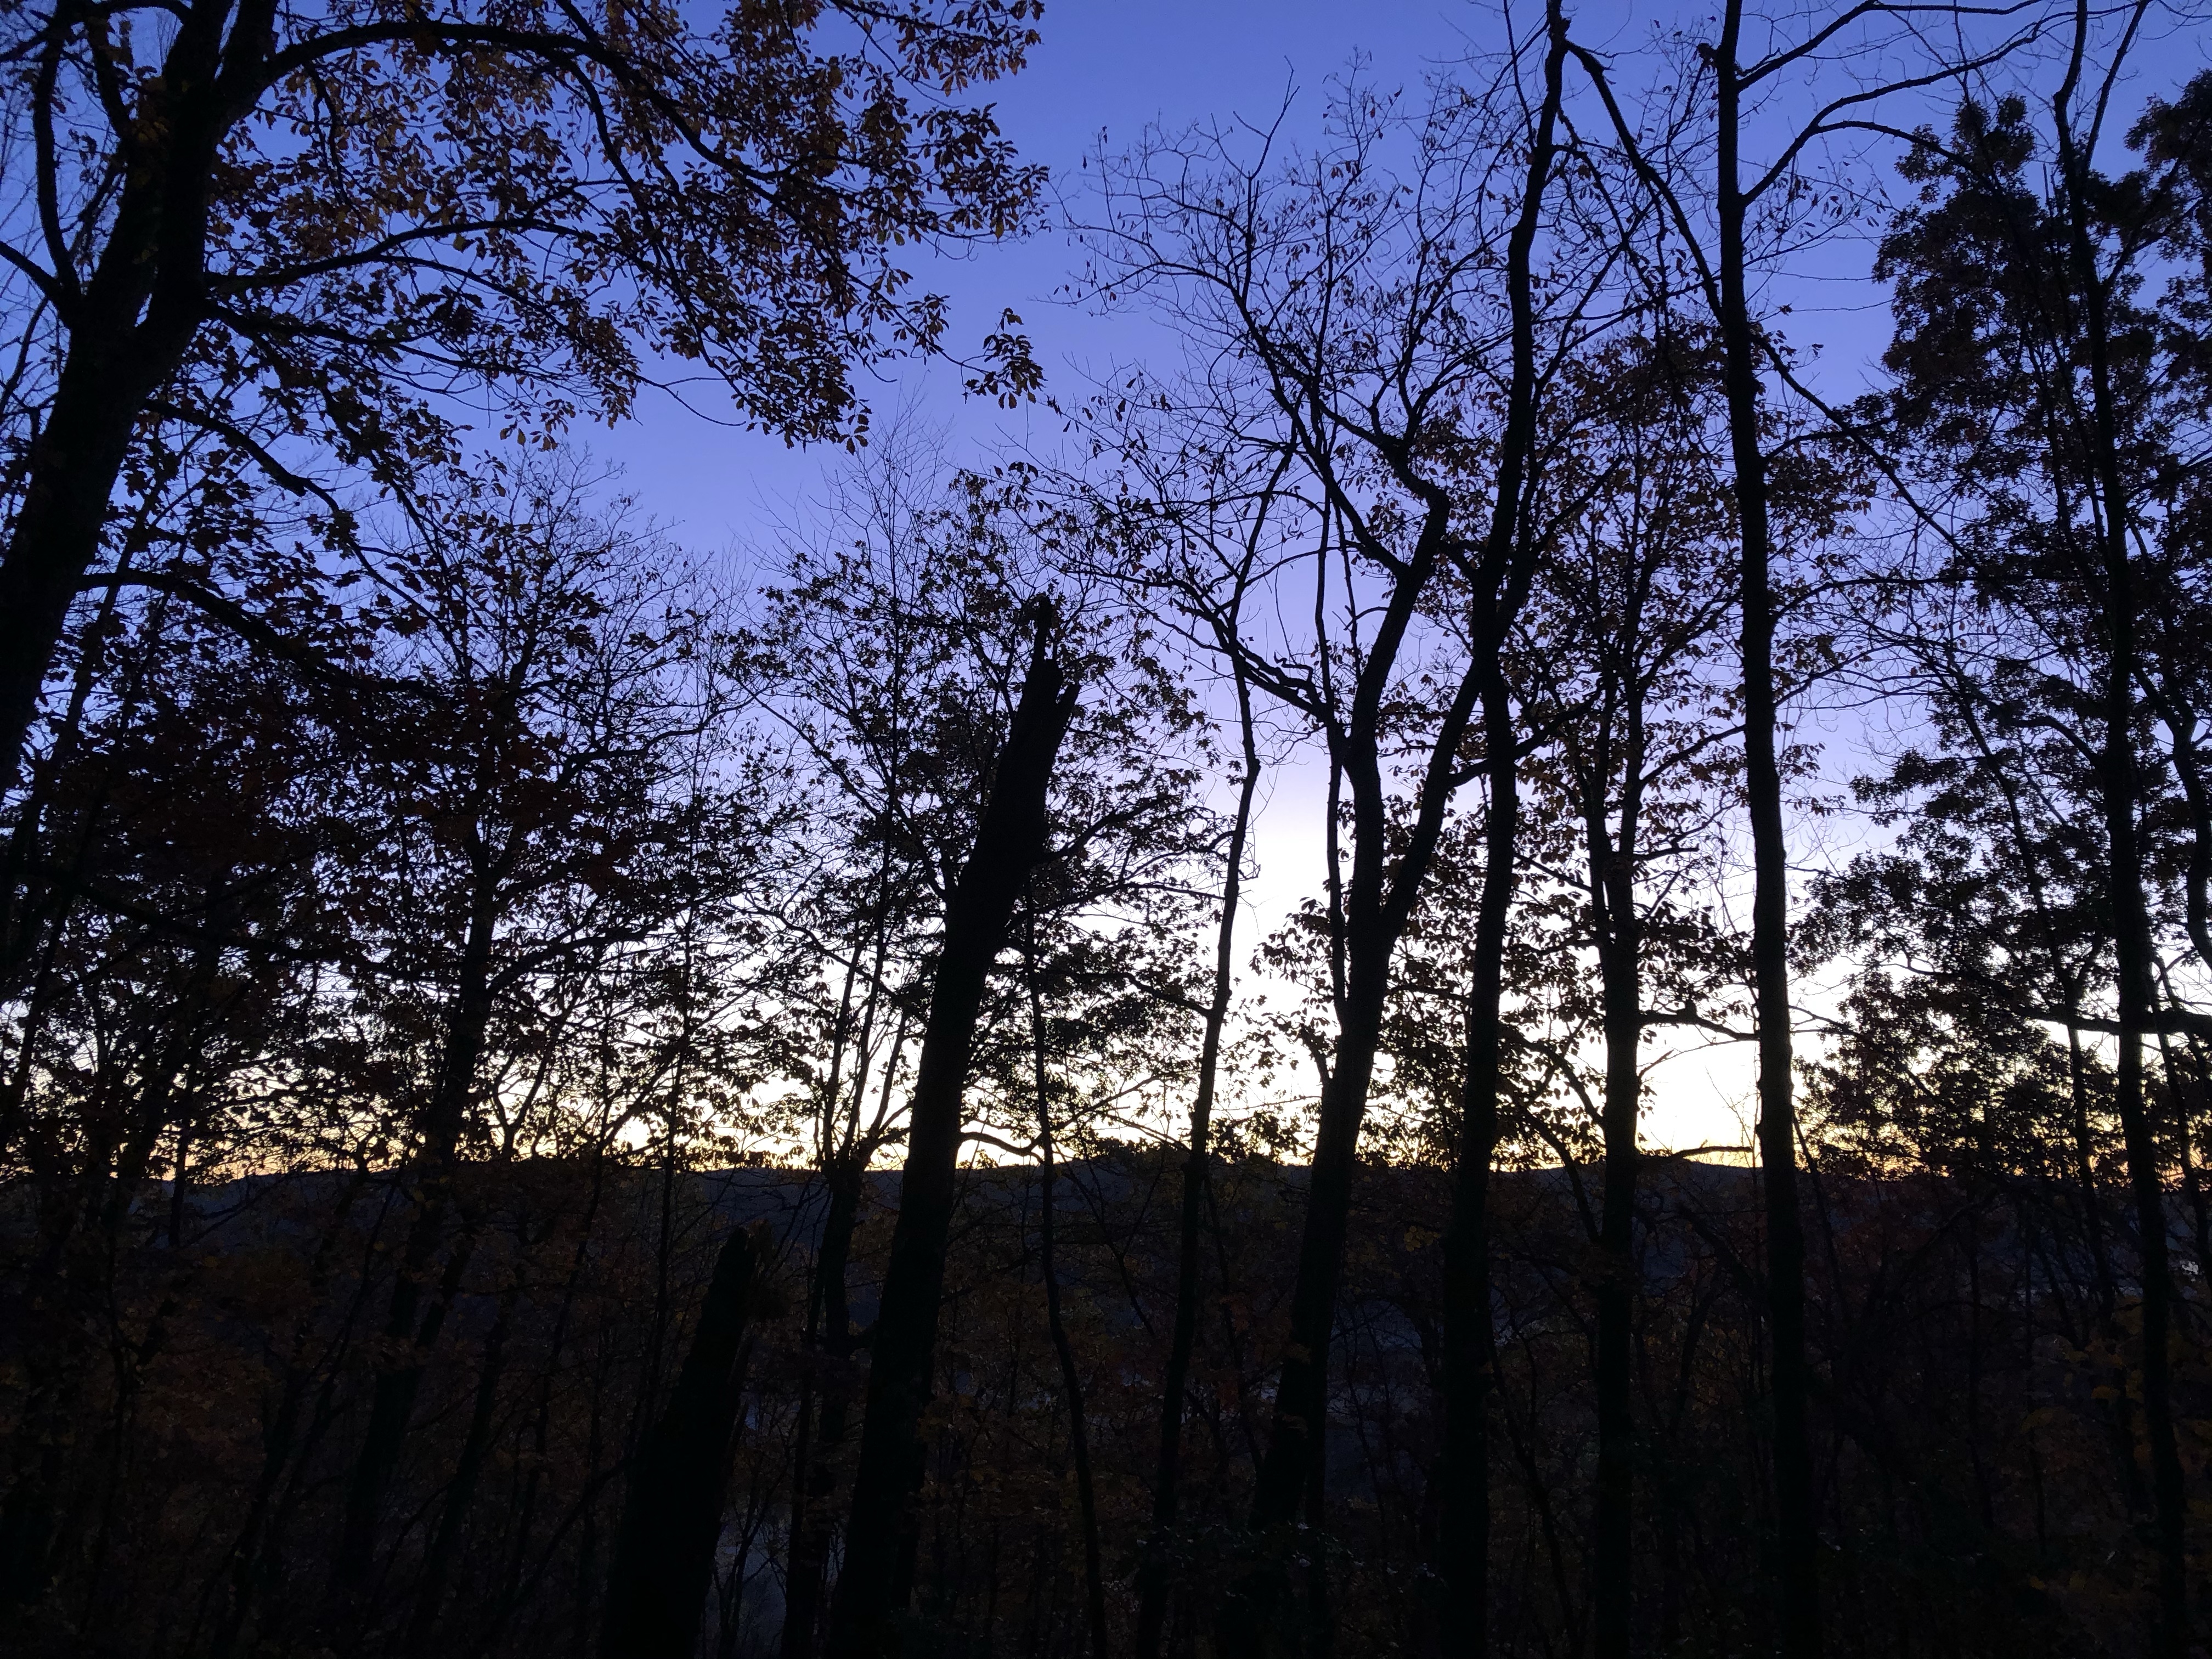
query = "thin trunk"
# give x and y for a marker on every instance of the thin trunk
(2189, 771)
(2085, 1164)
(2184, 1079)
(730, 1599)
(1470, 1353)
(475, 1446)
(664, 1271)
(1011, 838)
(814, 1527)
(1071, 1379)
(178, 1168)
(1798, 1539)
(508, 1596)
(241, 1571)
(74, 1278)
(815, 1524)
(43, 934)
(587, 1542)
(1463, 1526)
(411, 1329)
(1613, 887)
(672, 1518)
(1153, 1586)
(2198, 1065)
(2131, 934)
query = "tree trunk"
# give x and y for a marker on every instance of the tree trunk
(1302, 1388)
(72, 1290)
(235, 1582)
(2186, 1078)
(814, 1530)
(129, 328)
(1153, 1586)
(475, 1446)
(1010, 839)
(1797, 1540)
(2131, 918)
(411, 1329)
(2189, 771)
(672, 1518)
(1470, 1355)
(1613, 893)
(1071, 1379)
(1463, 1524)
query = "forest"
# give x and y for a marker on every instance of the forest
(570, 1093)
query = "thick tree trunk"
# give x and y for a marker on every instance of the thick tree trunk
(75, 462)
(1010, 840)
(1798, 1539)
(1153, 1582)
(1301, 1413)
(129, 328)
(32, 908)
(672, 1518)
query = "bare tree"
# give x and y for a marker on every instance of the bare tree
(1352, 451)
(1730, 212)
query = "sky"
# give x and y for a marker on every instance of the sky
(1104, 70)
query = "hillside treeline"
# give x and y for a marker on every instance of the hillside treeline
(1974, 1427)
(561, 1093)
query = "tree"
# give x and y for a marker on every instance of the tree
(307, 230)
(1341, 422)
(1627, 615)
(549, 817)
(2054, 412)
(1730, 216)
(1010, 839)
(186, 842)
(1175, 1384)
(672, 1511)
(888, 657)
